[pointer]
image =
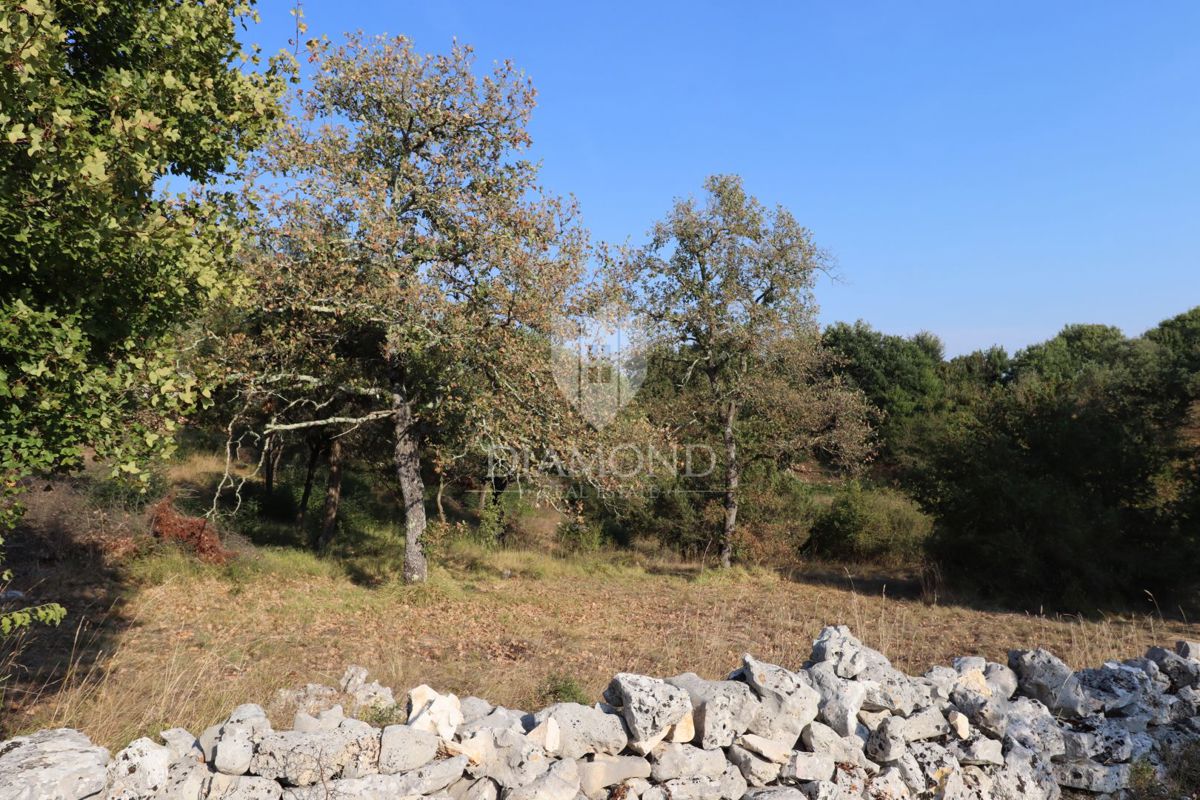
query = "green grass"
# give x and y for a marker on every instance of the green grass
(560, 688)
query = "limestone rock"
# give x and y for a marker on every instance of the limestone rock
(604, 771)
(139, 771)
(887, 785)
(241, 787)
(509, 758)
(649, 706)
(1098, 739)
(803, 767)
(403, 749)
(474, 708)
(959, 724)
(499, 718)
(302, 759)
(188, 779)
(366, 695)
(1188, 649)
(840, 699)
(546, 735)
(928, 724)
(941, 771)
(1031, 725)
(1044, 677)
(845, 654)
(756, 770)
(433, 712)
(787, 703)
(672, 761)
(234, 749)
(561, 782)
(722, 710)
(888, 742)
(1002, 680)
(684, 730)
(769, 749)
(775, 793)
(978, 751)
(823, 740)
(584, 730)
(1091, 777)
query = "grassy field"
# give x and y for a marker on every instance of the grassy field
(188, 642)
(156, 639)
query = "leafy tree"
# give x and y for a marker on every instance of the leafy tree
(407, 264)
(728, 285)
(899, 376)
(1069, 479)
(99, 102)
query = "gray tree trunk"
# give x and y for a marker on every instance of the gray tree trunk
(314, 455)
(732, 478)
(333, 495)
(407, 458)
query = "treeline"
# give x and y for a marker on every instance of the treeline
(367, 274)
(1068, 473)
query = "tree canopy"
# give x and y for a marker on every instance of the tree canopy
(102, 105)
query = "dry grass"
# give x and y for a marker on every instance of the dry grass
(196, 641)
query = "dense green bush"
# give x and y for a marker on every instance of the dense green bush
(867, 524)
(580, 535)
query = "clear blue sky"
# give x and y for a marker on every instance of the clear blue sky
(988, 171)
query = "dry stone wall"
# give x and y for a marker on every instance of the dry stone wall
(844, 725)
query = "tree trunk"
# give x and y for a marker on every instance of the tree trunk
(315, 446)
(333, 495)
(732, 477)
(268, 458)
(407, 458)
(441, 490)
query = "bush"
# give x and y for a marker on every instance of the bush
(1180, 781)
(580, 535)
(776, 515)
(876, 525)
(560, 688)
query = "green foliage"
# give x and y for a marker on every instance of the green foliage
(1071, 478)
(382, 716)
(46, 614)
(490, 529)
(561, 688)
(408, 264)
(875, 525)
(902, 377)
(99, 102)
(1180, 778)
(580, 535)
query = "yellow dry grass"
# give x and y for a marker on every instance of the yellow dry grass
(196, 642)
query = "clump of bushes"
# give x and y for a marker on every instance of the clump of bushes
(580, 535)
(869, 524)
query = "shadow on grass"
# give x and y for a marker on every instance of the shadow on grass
(58, 554)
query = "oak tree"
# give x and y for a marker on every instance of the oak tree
(408, 264)
(101, 267)
(728, 285)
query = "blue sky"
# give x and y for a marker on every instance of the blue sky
(988, 171)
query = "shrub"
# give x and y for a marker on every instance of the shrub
(877, 525)
(560, 688)
(778, 509)
(491, 520)
(1180, 779)
(580, 535)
